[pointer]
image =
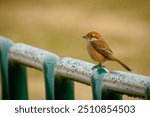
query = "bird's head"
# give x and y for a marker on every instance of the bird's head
(92, 36)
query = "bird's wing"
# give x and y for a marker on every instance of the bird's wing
(102, 47)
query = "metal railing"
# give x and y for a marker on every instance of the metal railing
(60, 74)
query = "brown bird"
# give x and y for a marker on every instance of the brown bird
(99, 50)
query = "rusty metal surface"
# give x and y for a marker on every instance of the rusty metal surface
(29, 55)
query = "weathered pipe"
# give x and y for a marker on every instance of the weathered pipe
(81, 71)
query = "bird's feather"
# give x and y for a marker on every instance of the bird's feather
(102, 48)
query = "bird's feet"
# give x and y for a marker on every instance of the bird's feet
(96, 66)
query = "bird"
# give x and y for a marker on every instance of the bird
(99, 50)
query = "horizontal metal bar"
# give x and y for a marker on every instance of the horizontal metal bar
(117, 81)
(81, 71)
(30, 56)
(127, 83)
(74, 69)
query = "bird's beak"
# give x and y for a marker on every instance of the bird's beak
(84, 37)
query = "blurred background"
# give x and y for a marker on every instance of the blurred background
(58, 26)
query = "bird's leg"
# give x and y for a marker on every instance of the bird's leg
(98, 65)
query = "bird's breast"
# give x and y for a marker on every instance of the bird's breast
(94, 54)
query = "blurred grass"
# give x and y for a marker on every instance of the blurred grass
(58, 26)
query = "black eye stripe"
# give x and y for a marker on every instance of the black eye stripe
(92, 35)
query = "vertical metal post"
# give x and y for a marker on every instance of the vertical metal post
(17, 81)
(5, 44)
(64, 88)
(48, 69)
(148, 92)
(37, 58)
(96, 85)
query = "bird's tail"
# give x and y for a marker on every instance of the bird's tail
(121, 63)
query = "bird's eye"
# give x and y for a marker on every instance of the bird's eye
(92, 35)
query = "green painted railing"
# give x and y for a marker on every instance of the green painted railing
(61, 73)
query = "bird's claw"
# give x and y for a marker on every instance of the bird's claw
(96, 66)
